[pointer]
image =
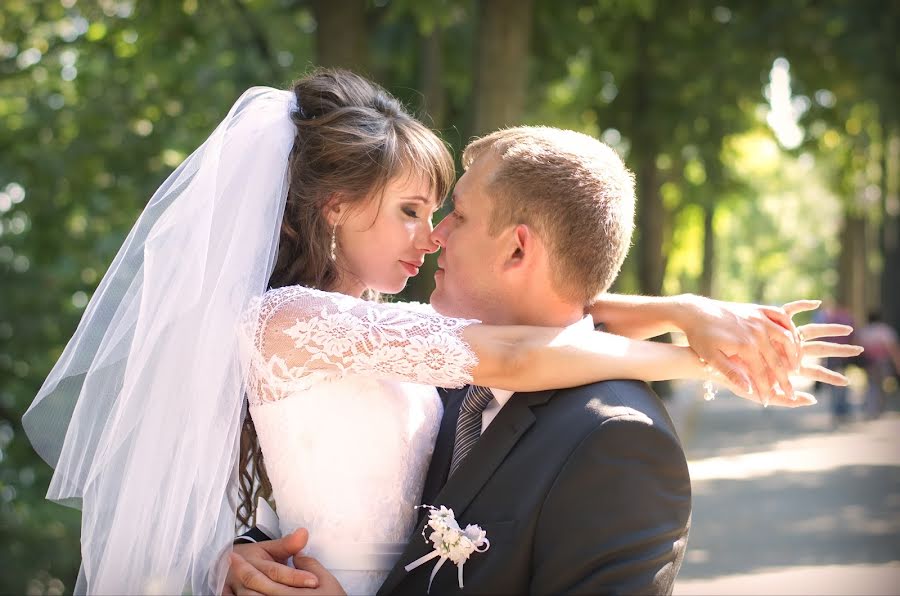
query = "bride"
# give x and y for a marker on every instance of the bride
(254, 271)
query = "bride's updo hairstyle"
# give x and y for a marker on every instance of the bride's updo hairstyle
(353, 138)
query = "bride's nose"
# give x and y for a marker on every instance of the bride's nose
(438, 235)
(425, 240)
(429, 245)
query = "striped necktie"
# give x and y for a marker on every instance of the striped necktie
(468, 427)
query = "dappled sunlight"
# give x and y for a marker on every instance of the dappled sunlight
(784, 503)
(813, 579)
(874, 444)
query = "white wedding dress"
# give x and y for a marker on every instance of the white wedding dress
(342, 393)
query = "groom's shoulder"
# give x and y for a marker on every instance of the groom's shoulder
(595, 403)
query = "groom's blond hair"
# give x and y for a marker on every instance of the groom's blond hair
(573, 190)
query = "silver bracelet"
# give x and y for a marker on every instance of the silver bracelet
(709, 389)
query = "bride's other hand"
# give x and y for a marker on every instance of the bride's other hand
(259, 568)
(810, 350)
(754, 347)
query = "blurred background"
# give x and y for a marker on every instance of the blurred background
(765, 137)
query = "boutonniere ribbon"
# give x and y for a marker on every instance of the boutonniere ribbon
(450, 542)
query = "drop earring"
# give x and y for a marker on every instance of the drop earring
(334, 243)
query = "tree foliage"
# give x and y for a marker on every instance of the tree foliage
(100, 100)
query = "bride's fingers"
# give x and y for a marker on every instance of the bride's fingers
(732, 371)
(827, 349)
(779, 398)
(785, 353)
(778, 316)
(817, 330)
(816, 372)
(799, 399)
(792, 308)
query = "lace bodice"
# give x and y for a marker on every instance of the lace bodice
(302, 336)
(342, 396)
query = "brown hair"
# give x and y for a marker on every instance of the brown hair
(574, 191)
(353, 138)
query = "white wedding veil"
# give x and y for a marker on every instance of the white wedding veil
(141, 415)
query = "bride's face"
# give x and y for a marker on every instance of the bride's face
(383, 242)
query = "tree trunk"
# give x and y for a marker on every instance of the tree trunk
(501, 63)
(852, 266)
(341, 34)
(651, 219)
(890, 229)
(432, 79)
(651, 214)
(709, 245)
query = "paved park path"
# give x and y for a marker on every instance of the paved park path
(784, 504)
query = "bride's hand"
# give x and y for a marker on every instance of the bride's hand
(754, 347)
(810, 349)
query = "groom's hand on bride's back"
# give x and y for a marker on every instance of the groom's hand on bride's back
(259, 568)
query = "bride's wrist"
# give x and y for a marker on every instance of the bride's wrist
(690, 366)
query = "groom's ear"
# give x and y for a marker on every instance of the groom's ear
(522, 246)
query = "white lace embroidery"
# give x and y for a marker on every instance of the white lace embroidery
(302, 336)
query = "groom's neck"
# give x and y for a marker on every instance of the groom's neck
(545, 313)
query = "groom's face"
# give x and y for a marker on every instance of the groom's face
(469, 281)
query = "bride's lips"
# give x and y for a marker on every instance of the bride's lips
(411, 268)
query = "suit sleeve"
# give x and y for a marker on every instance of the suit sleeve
(252, 535)
(616, 519)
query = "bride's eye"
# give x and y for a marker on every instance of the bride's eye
(410, 212)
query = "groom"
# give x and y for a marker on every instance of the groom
(578, 490)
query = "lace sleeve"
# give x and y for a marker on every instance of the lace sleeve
(303, 336)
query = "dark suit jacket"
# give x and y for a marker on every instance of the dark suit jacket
(582, 490)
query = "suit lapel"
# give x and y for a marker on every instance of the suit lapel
(489, 452)
(476, 469)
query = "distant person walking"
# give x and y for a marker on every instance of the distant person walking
(881, 360)
(837, 313)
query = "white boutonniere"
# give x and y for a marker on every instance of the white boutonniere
(450, 542)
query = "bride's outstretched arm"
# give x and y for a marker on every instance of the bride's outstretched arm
(541, 357)
(526, 358)
(303, 336)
